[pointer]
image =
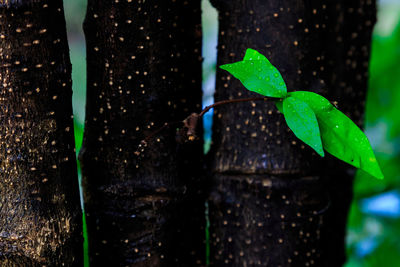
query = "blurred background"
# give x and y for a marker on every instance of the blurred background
(374, 221)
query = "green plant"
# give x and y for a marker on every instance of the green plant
(311, 117)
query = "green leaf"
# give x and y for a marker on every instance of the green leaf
(258, 75)
(303, 122)
(341, 137)
(252, 54)
(279, 105)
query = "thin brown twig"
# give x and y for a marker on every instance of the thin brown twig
(191, 121)
(223, 102)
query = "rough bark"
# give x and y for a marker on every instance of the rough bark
(273, 201)
(144, 69)
(40, 213)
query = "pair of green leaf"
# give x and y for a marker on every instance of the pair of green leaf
(311, 117)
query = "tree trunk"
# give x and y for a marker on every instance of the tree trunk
(273, 201)
(40, 213)
(144, 69)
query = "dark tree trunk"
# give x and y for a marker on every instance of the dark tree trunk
(144, 69)
(40, 214)
(273, 201)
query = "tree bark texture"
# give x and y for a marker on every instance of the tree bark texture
(40, 213)
(144, 69)
(273, 201)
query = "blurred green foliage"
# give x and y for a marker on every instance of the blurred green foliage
(74, 14)
(374, 222)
